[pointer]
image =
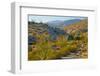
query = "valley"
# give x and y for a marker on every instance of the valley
(50, 41)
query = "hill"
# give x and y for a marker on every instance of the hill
(78, 26)
(58, 23)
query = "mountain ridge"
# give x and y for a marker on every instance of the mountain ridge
(59, 23)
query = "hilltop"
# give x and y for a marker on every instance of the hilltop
(78, 26)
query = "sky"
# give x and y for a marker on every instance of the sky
(45, 19)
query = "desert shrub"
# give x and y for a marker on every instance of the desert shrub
(77, 35)
(70, 37)
(31, 56)
(29, 48)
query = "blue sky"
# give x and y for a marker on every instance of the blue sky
(45, 19)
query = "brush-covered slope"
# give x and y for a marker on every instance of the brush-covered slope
(79, 26)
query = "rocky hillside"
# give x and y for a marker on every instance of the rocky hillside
(78, 26)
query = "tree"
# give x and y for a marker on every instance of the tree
(77, 35)
(70, 37)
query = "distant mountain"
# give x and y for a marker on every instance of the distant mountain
(59, 23)
(56, 23)
(68, 22)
